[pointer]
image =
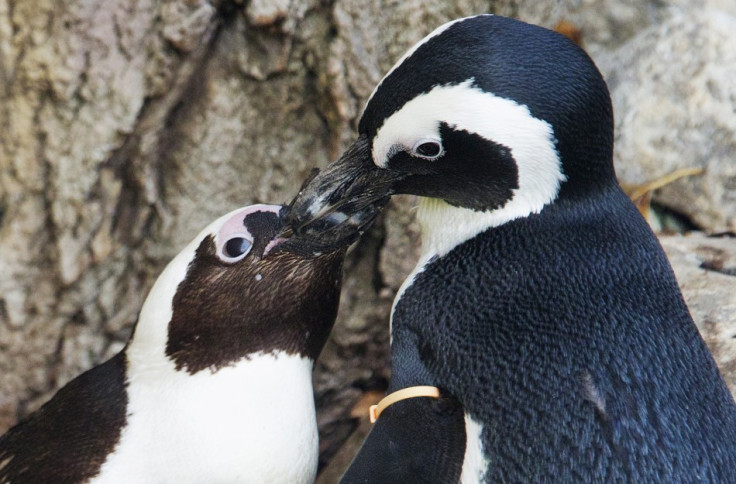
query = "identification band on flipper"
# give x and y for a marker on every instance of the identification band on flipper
(411, 392)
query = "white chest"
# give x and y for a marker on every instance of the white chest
(250, 423)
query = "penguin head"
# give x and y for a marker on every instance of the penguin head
(237, 290)
(487, 114)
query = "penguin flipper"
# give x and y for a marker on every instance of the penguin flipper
(68, 438)
(419, 440)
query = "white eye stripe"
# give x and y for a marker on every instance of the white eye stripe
(466, 107)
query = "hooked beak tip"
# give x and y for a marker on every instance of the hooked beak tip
(334, 206)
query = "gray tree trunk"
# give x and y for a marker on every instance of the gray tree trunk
(128, 125)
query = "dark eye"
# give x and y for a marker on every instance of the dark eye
(235, 248)
(429, 149)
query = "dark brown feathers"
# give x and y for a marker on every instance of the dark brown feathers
(284, 302)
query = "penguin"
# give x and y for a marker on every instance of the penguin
(215, 383)
(542, 302)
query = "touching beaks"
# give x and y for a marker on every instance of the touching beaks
(339, 203)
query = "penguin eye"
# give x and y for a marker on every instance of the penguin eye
(429, 149)
(235, 248)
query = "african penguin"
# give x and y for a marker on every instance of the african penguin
(215, 384)
(542, 301)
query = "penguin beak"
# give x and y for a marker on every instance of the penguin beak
(336, 205)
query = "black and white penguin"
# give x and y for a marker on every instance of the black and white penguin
(542, 302)
(215, 384)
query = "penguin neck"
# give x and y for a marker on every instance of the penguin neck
(445, 226)
(146, 350)
(266, 396)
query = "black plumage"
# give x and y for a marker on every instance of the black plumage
(566, 335)
(558, 326)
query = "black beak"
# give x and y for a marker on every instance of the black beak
(335, 206)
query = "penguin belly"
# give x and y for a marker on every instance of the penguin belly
(253, 422)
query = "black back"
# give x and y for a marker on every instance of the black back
(566, 336)
(69, 437)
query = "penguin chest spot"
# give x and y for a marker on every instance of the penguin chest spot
(252, 422)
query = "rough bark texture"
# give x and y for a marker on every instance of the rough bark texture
(128, 125)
